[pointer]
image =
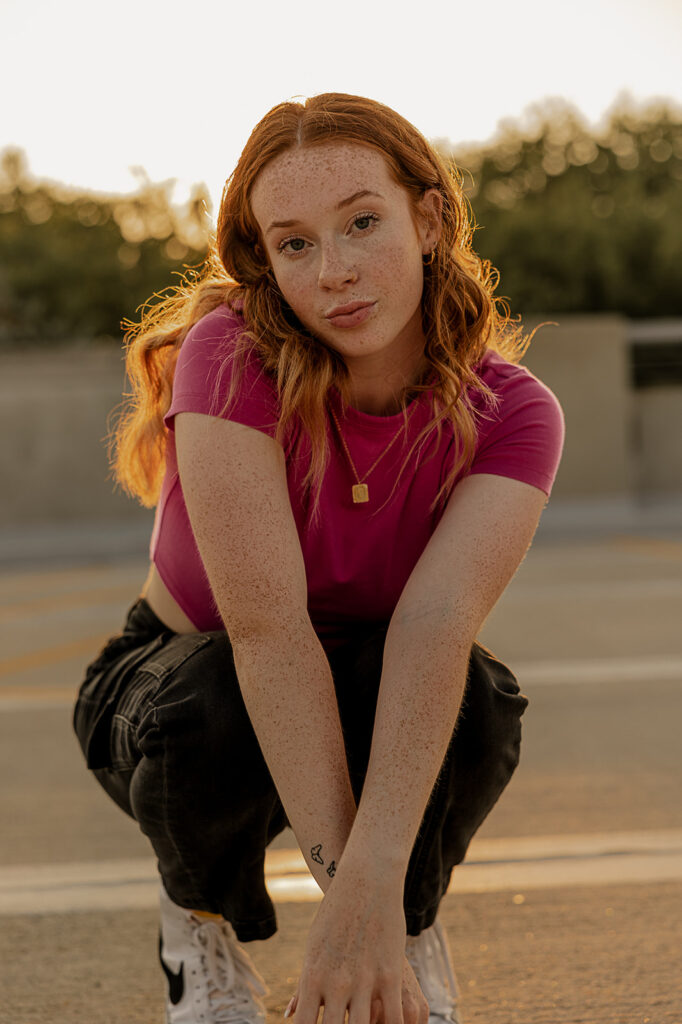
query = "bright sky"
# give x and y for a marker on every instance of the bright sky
(90, 90)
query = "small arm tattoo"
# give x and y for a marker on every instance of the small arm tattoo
(331, 870)
(315, 854)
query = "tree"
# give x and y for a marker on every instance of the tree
(74, 263)
(575, 219)
(580, 220)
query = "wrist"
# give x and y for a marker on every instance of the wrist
(372, 866)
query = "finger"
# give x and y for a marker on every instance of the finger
(363, 1010)
(307, 1008)
(334, 1012)
(393, 1006)
(424, 1012)
(415, 1006)
(411, 1009)
(291, 1005)
(376, 1013)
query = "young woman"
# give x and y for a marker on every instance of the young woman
(348, 467)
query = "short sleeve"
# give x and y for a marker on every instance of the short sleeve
(523, 437)
(204, 370)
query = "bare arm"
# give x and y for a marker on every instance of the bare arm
(478, 545)
(234, 481)
(484, 535)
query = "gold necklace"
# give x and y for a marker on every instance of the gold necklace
(360, 489)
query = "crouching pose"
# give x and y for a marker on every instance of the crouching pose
(348, 465)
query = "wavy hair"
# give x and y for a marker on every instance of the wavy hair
(460, 315)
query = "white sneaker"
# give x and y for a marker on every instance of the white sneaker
(429, 957)
(211, 979)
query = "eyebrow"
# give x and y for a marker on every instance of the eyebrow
(339, 206)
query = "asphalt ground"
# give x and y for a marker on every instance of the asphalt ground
(568, 907)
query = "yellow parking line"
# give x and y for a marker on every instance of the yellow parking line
(657, 547)
(89, 598)
(62, 652)
(514, 865)
(26, 696)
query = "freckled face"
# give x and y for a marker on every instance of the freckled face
(345, 250)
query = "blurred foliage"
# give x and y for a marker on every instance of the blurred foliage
(578, 219)
(575, 219)
(74, 264)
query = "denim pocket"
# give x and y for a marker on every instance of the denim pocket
(105, 680)
(138, 699)
(167, 660)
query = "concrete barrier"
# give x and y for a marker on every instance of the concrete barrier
(584, 360)
(54, 406)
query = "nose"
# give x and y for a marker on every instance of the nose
(335, 269)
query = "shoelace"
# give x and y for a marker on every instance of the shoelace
(429, 957)
(235, 984)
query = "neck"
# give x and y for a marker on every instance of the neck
(385, 395)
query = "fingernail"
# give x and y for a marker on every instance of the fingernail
(287, 1012)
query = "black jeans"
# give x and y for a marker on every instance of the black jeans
(163, 726)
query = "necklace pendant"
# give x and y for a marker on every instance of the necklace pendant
(360, 493)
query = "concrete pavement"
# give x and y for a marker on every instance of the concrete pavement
(568, 908)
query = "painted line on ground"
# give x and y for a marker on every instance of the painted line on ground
(647, 668)
(89, 645)
(89, 597)
(590, 590)
(36, 698)
(493, 865)
(656, 546)
(562, 672)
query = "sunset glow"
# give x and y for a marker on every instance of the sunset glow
(175, 88)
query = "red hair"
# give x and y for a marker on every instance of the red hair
(460, 315)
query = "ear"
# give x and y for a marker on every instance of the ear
(430, 213)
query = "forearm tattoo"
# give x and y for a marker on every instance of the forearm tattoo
(316, 854)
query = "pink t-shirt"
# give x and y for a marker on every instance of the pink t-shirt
(359, 556)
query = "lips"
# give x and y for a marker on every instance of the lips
(351, 314)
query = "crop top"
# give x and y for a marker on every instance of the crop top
(357, 557)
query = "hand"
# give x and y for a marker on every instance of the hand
(414, 1006)
(355, 961)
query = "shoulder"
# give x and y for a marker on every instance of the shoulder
(521, 433)
(210, 348)
(515, 389)
(213, 337)
(209, 359)
(511, 379)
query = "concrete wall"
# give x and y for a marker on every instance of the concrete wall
(585, 362)
(657, 447)
(53, 420)
(54, 407)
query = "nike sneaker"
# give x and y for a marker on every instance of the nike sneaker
(429, 957)
(211, 979)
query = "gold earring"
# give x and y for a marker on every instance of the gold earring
(431, 257)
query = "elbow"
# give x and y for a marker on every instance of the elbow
(270, 626)
(432, 624)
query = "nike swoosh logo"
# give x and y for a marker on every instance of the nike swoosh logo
(176, 982)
